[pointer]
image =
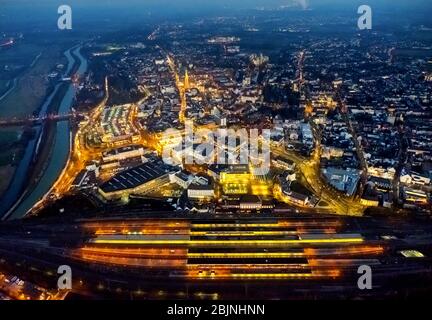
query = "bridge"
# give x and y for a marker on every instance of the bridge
(32, 120)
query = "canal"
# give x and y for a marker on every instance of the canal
(13, 205)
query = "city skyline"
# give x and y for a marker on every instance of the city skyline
(278, 150)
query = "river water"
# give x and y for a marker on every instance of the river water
(59, 155)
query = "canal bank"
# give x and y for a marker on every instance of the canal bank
(21, 196)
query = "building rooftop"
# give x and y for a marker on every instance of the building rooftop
(136, 176)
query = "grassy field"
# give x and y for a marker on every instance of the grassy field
(9, 149)
(6, 174)
(28, 95)
(32, 84)
(9, 139)
(4, 86)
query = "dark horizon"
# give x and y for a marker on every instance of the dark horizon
(26, 15)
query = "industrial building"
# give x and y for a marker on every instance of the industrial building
(139, 180)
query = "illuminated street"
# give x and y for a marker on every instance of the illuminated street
(255, 150)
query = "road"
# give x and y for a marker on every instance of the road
(79, 156)
(358, 145)
(38, 120)
(309, 169)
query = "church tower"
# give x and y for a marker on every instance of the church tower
(186, 81)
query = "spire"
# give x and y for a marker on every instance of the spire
(186, 82)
